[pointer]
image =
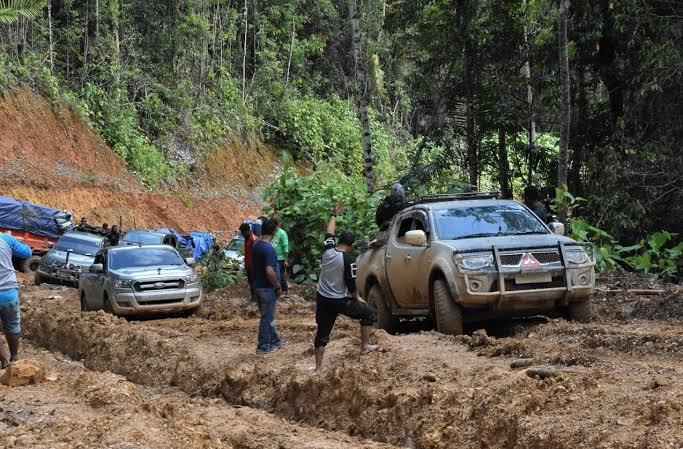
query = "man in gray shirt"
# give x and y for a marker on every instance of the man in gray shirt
(337, 292)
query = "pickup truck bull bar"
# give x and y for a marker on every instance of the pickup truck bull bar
(499, 296)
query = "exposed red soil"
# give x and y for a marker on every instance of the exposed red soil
(49, 156)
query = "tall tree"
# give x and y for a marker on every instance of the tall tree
(466, 12)
(361, 95)
(565, 99)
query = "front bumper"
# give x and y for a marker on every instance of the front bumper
(126, 301)
(59, 274)
(499, 290)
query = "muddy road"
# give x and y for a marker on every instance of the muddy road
(197, 382)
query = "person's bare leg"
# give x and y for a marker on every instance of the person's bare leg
(365, 334)
(319, 354)
(13, 343)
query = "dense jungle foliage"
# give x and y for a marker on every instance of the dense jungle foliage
(460, 92)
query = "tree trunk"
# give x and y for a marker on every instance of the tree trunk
(580, 138)
(361, 89)
(291, 49)
(531, 122)
(84, 71)
(97, 19)
(49, 24)
(565, 113)
(503, 166)
(465, 14)
(244, 55)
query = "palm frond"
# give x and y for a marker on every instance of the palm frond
(12, 10)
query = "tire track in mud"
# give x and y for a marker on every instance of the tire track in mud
(426, 390)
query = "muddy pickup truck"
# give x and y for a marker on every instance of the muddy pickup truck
(471, 257)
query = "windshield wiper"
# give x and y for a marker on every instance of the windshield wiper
(474, 236)
(528, 233)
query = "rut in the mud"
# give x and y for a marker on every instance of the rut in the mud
(425, 389)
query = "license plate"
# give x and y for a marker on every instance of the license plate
(533, 278)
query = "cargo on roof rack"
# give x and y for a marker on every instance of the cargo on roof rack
(457, 196)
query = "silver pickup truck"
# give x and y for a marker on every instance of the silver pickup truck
(471, 258)
(131, 280)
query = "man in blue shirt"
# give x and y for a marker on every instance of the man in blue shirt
(10, 317)
(266, 283)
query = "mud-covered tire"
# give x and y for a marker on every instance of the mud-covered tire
(29, 265)
(106, 305)
(448, 315)
(385, 320)
(189, 313)
(39, 279)
(581, 312)
(84, 303)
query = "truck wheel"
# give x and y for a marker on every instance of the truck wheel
(29, 265)
(385, 320)
(106, 305)
(84, 303)
(39, 279)
(448, 317)
(579, 311)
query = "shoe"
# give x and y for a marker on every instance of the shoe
(268, 351)
(282, 344)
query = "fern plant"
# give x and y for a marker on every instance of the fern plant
(12, 10)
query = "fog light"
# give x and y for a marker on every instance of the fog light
(475, 285)
(583, 279)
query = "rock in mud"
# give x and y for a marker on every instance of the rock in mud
(542, 373)
(23, 372)
(429, 377)
(521, 363)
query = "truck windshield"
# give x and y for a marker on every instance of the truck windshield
(143, 257)
(486, 221)
(78, 246)
(143, 238)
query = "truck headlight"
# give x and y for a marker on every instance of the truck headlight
(474, 262)
(191, 279)
(577, 256)
(123, 283)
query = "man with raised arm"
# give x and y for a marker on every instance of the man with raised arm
(337, 292)
(10, 316)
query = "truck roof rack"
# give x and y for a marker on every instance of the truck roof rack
(457, 196)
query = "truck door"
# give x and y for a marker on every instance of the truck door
(405, 264)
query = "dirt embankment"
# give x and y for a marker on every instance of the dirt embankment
(612, 384)
(48, 155)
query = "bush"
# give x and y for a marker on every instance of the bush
(216, 272)
(116, 121)
(303, 204)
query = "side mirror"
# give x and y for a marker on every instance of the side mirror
(96, 268)
(190, 261)
(557, 227)
(416, 238)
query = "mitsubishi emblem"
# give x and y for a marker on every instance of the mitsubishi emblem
(529, 261)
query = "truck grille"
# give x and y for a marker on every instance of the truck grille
(166, 284)
(557, 282)
(542, 257)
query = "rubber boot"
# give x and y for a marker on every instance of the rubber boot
(13, 343)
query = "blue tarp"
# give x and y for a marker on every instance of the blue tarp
(22, 216)
(203, 241)
(200, 242)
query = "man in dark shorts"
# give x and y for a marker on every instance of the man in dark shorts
(266, 283)
(337, 292)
